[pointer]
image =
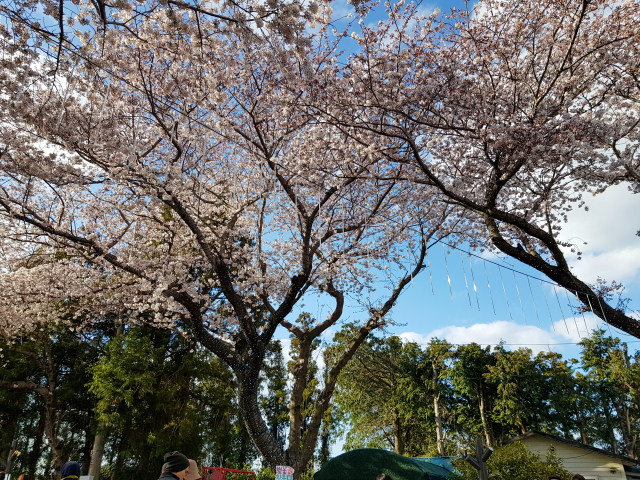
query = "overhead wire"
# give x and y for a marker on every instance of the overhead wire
(13, 17)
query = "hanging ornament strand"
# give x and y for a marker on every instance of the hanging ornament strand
(548, 308)
(534, 303)
(466, 284)
(561, 312)
(519, 298)
(430, 277)
(505, 293)
(489, 285)
(473, 279)
(447, 265)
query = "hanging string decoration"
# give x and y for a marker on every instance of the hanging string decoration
(572, 314)
(447, 265)
(505, 293)
(489, 285)
(519, 298)
(473, 279)
(466, 284)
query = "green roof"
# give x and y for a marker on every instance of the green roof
(368, 463)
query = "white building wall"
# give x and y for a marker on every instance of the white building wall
(589, 464)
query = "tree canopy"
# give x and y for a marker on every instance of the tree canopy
(206, 168)
(389, 400)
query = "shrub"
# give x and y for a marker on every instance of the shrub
(516, 462)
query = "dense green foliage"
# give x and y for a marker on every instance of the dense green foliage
(390, 390)
(46, 406)
(516, 462)
(151, 390)
(158, 392)
(148, 390)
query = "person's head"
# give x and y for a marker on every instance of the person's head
(555, 477)
(71, 470)
(577, 476)
(24, 476)
(176, 463)
(193, 471)
(384, 476)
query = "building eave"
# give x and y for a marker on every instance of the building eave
(627, 461)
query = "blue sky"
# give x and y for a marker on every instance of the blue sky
(527, 313)
(612, 252)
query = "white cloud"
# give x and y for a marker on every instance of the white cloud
(613, 249)
(576, 327)
(513, 334)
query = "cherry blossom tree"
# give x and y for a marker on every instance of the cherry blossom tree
(512, 110)
(163, 172)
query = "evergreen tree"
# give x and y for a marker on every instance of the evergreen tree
(275, 398)
(158, 392)
(384, 400)
(44, 378)
(614, 376)
(475, 396)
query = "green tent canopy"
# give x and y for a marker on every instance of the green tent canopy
(368, 463)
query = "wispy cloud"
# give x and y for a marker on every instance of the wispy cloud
(513, 334)
(612, 249)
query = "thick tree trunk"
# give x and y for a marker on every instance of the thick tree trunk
(559, 273)
(101, 435)
(521, 424)
(614, 442)
(96, 455)
(242, 452)
(324, 447)
(483, 417)
(580, 421)
(50, 430)
(439, 429)
(36, 449)
(86, 452)
(436, 411)
(628, 433)
(118, 465)
(631, 438)
(625, 428)
(398, 435)
(143, 466)
(267, 445)
(296, 420)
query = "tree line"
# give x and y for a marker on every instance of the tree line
(140, 391)
(144, 390)
(434, 400)
(148, 390)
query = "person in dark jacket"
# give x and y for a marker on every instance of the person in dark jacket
(176, 465)
(70, 471)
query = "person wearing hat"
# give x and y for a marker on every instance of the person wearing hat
(70, 471)
(176, 465)
(193, 471)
